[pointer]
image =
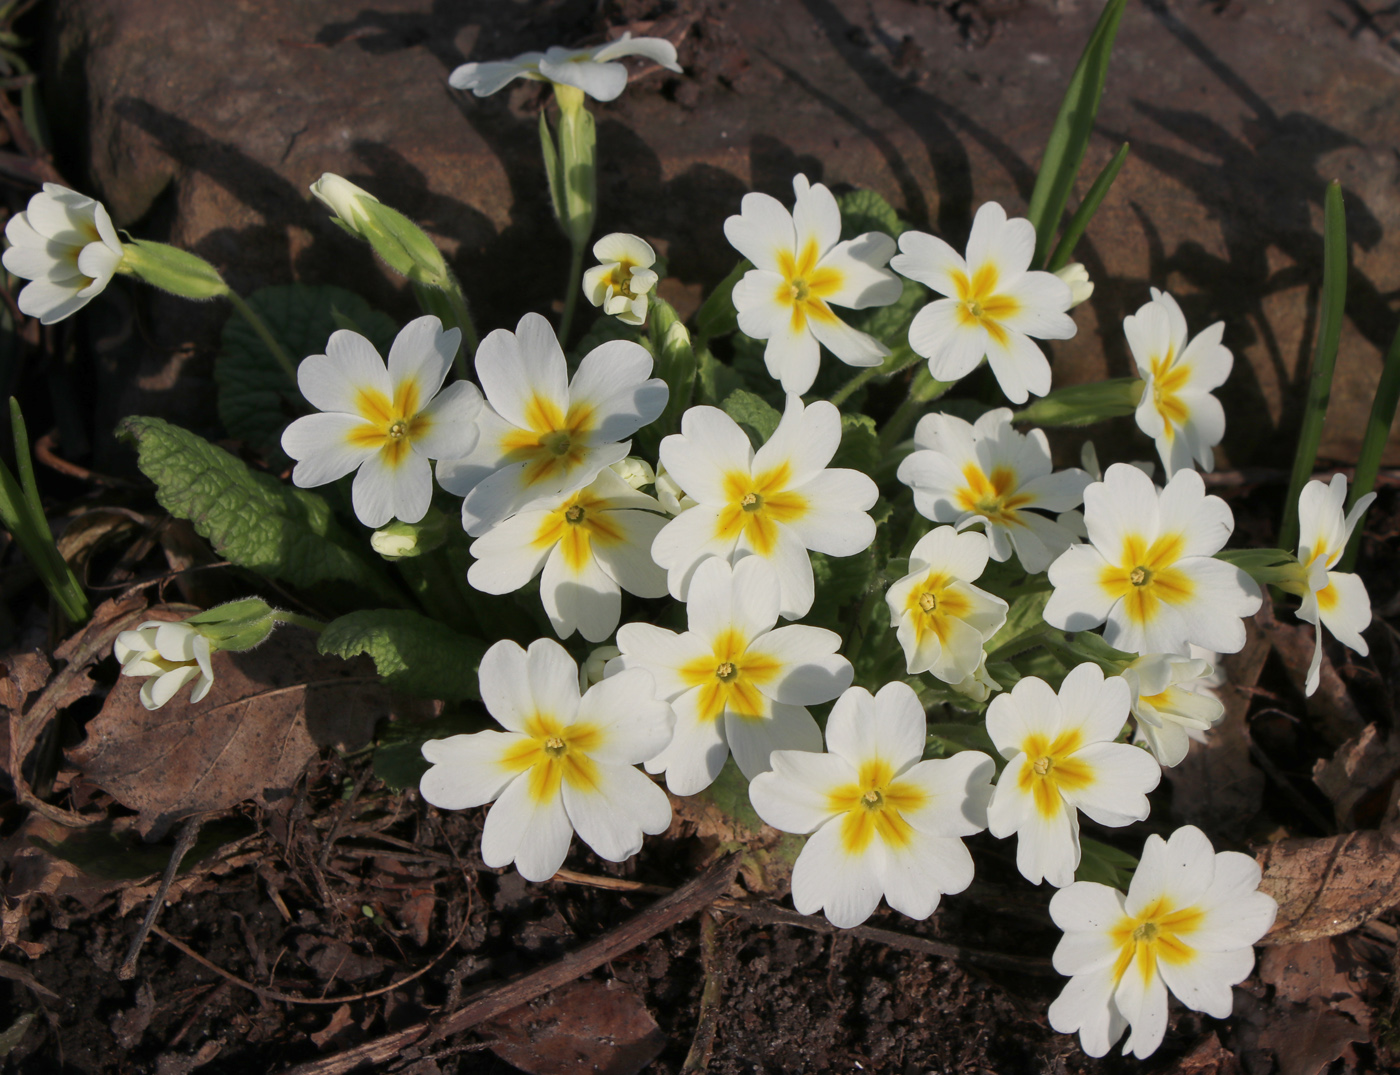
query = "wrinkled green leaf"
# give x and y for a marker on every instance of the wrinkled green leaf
(1104, 864)
(411, 652)
(945, 740)
(863, 211)
(714, 380)
(256, 400)
(890, 324)
(1025, 617)
(755, 416)
(249, 518)
(730, 792)
(860, 444)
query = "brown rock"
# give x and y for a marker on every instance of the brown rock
(209, 118)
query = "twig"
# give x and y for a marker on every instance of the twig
(614, 884)
(291, 998)
(19, 974)
(660, 916)
(189, 832)
(707, 1022)
(45, 453)
(342, 817)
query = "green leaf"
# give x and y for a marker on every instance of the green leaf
(1373, 444)
(863, 211)
(604, 330)
(1064, 152)
(398, 757)
(945, 740)
(249, 518)
(755, 416)
(411, 652)
(256, 400)
(1087, 208)
(1092, 647)
(1104, 864)
(714, 380)
(890, 324)
(1269, 567)
(860, 444)
(1025, 619)
(717, 317)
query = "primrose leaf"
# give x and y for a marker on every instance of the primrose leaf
(863, 211)
(256, 399)
(860, 444)
(755, 416)
(249, 518)
(411, 652)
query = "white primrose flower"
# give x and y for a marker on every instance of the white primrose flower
(65, 243)
(590, 544)
(592, 70)
(669, 492)
(979, 686)
(736, 684)
(1169, 701)
(883, 822)
(170, 655)
(565, 763)
(1177, 409)
(383, 423)
(994, 304)
(1149, 572)
(800, 268)
(775, 503)
(543, 435)
(1062, 759)
(621, 284)
(989, 473)
(1336, 600)
(1187, 924)
(943, 620)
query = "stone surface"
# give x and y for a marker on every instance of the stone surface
(203, 122)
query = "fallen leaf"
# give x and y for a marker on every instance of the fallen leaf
(416, 914)
(268, 714)
(1359, 776)
(340, 1019)
(1329, 886)
(1216, 787)
(585, 1026)
(1334, 715)
(129, 1027)
(1208, 1058)
(1306, 1038)
(1324, 968)
(334, 960)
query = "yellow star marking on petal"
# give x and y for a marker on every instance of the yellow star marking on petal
(730, 677)
(553, 442)
(1167, 382)
(1327, 597)
(981, 305)
(1145, 578)
(875, 806)
(390, 425)
(553, 754)
(805, 286)
(992, 495)
(1051, 769)
(755, 503)
(1155, 934)
(932, 604)
(576, 526)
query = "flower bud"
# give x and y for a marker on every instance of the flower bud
(673, 498)
(401, 541)
(1080, 286)
(635, 471)
(237, 625)
(345, 200)
(592, 669)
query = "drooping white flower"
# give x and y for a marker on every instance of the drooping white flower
(1188, 924)
(621, 284)
(989, 473)
(590, 544)
(1062, 759)
(1149, 572)
(564, 764)
(1177, 409)
(775, 503)
(801, 268)
(1169, 700)
(543, 435)
(1336, 600)
(994, 304)
(383, 423)
(943, 620)
(65, 244)
(883, 822)
(736, 684)
(592, 70)
(169, 655)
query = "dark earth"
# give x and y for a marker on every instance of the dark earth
(201, 122)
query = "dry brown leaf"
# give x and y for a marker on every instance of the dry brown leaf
(1305, 1039)
(600, 1027)
(1216, 787)
(340, 1019)
(1358, 777)
(1207, 1058)
(1325, 968)
(268, 714)
(1329, 886)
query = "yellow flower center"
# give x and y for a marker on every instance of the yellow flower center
(875, 805)
(552, 443)
(1139, 576)
(755, 503)
(574, 514)
(390, 424)
(980, 304)
(1042, 766)
(751, 502)
(1148, 578)
(555, 747)
(1160, 932)
(1053, 769)
(552, 753)
(728, 678)
(928, 601)
(725, 671)
(806, 286)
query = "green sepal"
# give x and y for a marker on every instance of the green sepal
(1269, 567)
(1084, 404)
(172, 269)
(237, 625)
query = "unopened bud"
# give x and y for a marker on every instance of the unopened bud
(1080, 286)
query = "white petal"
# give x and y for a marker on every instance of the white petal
(1350, 611)
(850, 345)
(334, 381)
(914, 876)
(1144, 1004)
(804, 442)
(662, 653)
(685, 543)
(762, 232)
(815, 216)
(422, 353)
(753, 739)
(826, 877)
(1086, 1005)
(508, 556)
(585, 599)
(959, 789)
(1097, 705)
(1079, 602)
(952, 348)
(628, 560)
(601, 81)
(1009, 245)
(793, 357)
(323, 449)
(795, 581)
(447, 426)
(1203, 982)
(466, 769)
(743, 598)
(611, 816)
(794, 795)
(503, 679)
(484, 79)
(1042, 299)
(1123, 775)
(614, 380)
(812, 671)
(158, 690)
(709, 446)
(930, 261)
(1021, 368)
(697, 750)
(533, 835)
(517, 368)
(635, 724)
(865, 282)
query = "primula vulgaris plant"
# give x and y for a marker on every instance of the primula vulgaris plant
(1058, 619)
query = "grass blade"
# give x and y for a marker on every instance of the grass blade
(1087, 208)
(1064, 152)
(1373, 444)
(1329, 334)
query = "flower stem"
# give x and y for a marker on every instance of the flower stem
(898, 361)
(925, 389)
(571, 295)
(265, 334)
(298, 620)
